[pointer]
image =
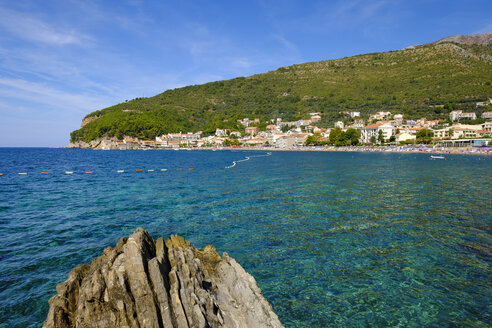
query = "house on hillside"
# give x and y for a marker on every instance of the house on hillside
(457, 115)
(487, 115)
(484, 103)
(256, 141)
(373, 131)
(131, 144)
(252, 130)
(339, 124)
(286, 142)
(404, 136)
(149, 144)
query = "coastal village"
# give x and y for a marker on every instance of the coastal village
(382, 128)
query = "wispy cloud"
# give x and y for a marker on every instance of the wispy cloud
(288, 45)
(23, 91)
(33, 29)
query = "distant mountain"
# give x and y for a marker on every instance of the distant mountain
(483, 39)
(412, 81)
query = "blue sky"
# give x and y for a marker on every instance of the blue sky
(60, 60)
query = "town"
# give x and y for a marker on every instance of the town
(382, 128)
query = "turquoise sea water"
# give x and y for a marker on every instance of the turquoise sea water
(333, 239)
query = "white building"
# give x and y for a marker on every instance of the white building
(354, 114)
(373, 131)
(456, 115)
(286, 142)
(379, 116)
(484, 103)
(339, 124)
(487, 115)
(367, 132)
(404, 136)
(220, 132)
(458, 131)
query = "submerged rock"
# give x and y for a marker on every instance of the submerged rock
(142, 283)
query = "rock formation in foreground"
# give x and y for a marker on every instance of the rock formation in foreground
(142, 283)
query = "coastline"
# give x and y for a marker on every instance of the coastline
(362, 149)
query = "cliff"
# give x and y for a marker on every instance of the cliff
(142, 283)
(101, 143)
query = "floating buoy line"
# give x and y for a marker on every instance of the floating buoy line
(92, 172)
(234, 163)
(247, 158)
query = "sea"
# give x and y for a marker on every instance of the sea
(333, 239)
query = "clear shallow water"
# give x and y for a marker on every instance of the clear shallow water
(333, 239)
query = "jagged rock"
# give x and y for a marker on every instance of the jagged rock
(101, 143)
(142, 283)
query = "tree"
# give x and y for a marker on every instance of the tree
(231, 142)
(311, 141)
(392, 139)
(335, 135)
(380, 136)
(352, 136)
(424, 136)
(373, 139)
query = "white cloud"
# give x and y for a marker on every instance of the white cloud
(26, 91)
(32, 29)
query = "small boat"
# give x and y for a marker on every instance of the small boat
(150, 170)
(163, 170)
(22, 173)
(120, 171)
(68, 172)
(437, 157)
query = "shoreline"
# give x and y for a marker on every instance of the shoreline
(360, 149)
(380, 149)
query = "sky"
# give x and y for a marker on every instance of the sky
(63, 59)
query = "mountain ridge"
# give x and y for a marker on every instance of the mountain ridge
(483, 39)
(410, 81)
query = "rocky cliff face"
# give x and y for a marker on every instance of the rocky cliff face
(483, 39)
(102, 143)
(142, 283)
(89, 119)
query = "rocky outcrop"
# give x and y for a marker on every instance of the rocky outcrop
(89, 119)
(484, 39)
(102, 143)
(142, 283)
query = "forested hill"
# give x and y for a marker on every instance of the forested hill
(410, 81)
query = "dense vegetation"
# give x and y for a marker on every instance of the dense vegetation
(411, 82)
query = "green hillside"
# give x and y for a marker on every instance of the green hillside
(407, 81)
